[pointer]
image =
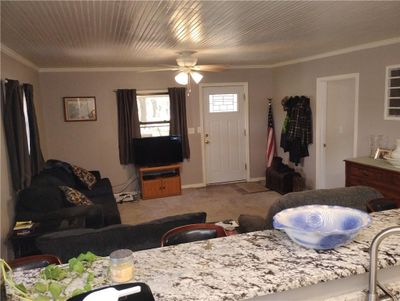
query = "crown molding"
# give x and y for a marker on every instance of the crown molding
(16, 56)
(376, 44)
(339, 52)
(96, 69)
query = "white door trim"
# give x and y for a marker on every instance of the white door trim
(245, 86)
(322, 85)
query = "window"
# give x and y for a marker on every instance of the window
(154, 115)
(27, 126)
(392, 93)
(222, 103)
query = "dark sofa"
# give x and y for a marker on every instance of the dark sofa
(45, 203)
(70, 243)
(71, 230)
(355, 197)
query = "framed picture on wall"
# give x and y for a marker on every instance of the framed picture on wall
(80, 108)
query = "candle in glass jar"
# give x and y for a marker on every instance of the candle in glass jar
(121, 265)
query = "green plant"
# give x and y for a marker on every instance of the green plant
(55, 281)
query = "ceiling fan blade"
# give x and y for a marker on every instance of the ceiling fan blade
(157, 69)
(211, 68)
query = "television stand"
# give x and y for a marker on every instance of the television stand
(160, 181)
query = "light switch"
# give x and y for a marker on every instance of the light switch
(190, 130)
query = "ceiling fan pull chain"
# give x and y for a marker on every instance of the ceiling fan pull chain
(189, 89)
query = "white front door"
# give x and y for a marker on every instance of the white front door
(337, 128)
(224, 133)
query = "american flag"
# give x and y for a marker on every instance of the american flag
(271, 145)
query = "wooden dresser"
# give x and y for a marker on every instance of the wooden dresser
(378, 174)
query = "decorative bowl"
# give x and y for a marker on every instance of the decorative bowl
(393, 161)
(321, 227)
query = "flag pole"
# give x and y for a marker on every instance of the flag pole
(271, 144)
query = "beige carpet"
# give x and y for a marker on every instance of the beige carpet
(251, 187)
(220, 202)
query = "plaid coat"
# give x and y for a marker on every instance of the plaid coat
(297, 130)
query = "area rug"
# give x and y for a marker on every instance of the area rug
(251, 187)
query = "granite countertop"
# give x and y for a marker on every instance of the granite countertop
(248, 265)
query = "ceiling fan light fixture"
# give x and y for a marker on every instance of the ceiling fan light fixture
(196, 76)
(182, 78)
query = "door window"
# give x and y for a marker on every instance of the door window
(222, 103)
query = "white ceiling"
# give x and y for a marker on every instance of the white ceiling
(150, 33)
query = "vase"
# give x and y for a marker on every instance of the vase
(396, 151)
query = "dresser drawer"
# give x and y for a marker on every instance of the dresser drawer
(385, 181)
(366, 173)
(394, 179)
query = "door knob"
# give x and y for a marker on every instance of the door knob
(207, 141)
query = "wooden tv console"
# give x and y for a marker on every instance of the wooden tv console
(160, 181)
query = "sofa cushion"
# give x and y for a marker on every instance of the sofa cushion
(46, 179)
(102, 187)
(84, 176)
(65, 176)
(40, 199)
(75, 197)
(354, 197)
(67, 244)
(110, 208)
(250, 223)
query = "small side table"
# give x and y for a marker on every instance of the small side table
(24, 244)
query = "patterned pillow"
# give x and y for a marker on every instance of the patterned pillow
(75, 197)
(86, 177)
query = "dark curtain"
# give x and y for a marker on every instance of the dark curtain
(37, 160)
(178, 121)
(128, 124)
(15, 134)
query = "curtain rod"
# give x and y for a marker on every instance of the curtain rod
(144, 93)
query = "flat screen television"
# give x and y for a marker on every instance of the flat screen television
(155, 151)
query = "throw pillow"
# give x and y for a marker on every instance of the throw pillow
(85, 176)
(75, 197)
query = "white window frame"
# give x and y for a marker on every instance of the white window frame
(387, 89)
(153, 93)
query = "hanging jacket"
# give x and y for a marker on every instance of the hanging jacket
(297, 130)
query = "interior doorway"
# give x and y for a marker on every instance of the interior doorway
(336, 127)
(224, 110)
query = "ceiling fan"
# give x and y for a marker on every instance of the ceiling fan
(188, 68)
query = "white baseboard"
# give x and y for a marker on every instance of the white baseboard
(256, 179)
(197, 185)
(200, 185)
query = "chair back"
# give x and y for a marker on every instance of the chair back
(33, 262)
(190, 233)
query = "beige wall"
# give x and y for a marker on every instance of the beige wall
(300, 79)
(94, 145)
(12, 69)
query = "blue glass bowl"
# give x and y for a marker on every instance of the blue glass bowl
(321, 227)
